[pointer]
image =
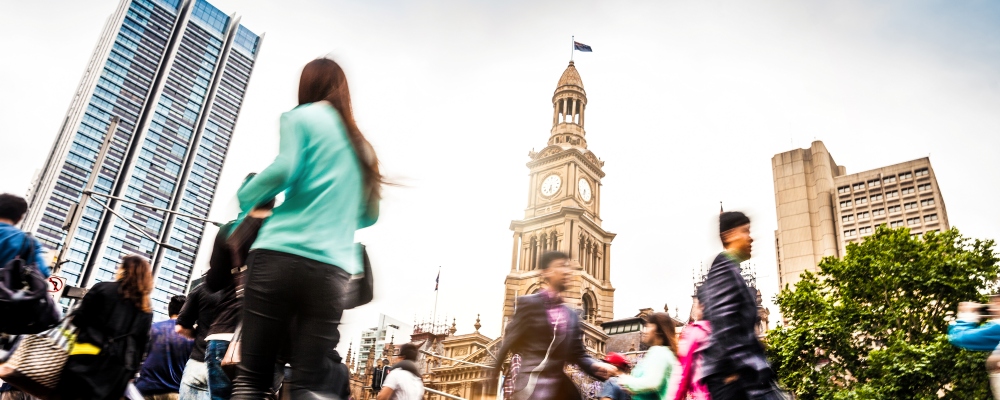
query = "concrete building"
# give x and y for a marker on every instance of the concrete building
(175, 72)
(821, 208)
(387, 330)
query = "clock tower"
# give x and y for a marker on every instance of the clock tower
(564, 214)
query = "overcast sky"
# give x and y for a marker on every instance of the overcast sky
(688, 102)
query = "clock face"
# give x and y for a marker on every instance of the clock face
(551, 185)
(585, 190)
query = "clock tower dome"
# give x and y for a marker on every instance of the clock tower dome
(564, 214)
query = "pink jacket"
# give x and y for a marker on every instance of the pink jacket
(683, 382)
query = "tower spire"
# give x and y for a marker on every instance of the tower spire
(569, 103)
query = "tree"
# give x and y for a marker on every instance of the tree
(872, 325)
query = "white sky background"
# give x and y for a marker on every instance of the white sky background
(688, 102)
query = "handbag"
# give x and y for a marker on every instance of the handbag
(38, 360)
(232, 357)
(25, 303)
(360, 289)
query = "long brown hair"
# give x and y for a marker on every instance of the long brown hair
(136, 281)
(666, 329)
(324, 79)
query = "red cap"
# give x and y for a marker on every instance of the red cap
(617, 360)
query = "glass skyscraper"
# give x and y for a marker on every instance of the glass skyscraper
(175, 73)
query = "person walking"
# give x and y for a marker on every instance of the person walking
(403, 381)
(651, 377)
(305, 252)
(685, 383)
(13, 241)
(166, 354)
(547, 335)
(194, 321)
(970, 332)
(112, 321)
(610, 389)
(733, 362)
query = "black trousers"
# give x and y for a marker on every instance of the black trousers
(719, 390)
(284, 289)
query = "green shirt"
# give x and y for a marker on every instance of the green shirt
(318, 171)
(651, 377)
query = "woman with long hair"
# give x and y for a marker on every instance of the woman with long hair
(305, 253)
(650, 379)
(685, 383)
(113, 322)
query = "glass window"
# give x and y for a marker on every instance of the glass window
(908, 190)
(895, 209)
(859, 186)
(863, 215)
(847, 218)
(896, 224)
(843, 189)
(891, 195)
(921, 172)
(910, 206)
(860, 201)
(890, 179)
(906, 175)
(874, 183)
(932, 217)
(845, 204)
(927, 202)
(876, 197)
(925, 187)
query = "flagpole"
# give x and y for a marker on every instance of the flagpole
(572, 47)
(434, 319)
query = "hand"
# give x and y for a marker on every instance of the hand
(604, 370)
(259, 214)
(730, 379)
(968, 307)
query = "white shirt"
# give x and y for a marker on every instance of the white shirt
(404, 385)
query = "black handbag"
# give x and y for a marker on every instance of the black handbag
(360, 289)
(25, 303)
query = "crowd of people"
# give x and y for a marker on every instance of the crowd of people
(265, 320)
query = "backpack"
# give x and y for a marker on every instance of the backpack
(25, 303)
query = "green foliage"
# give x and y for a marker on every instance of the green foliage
(873, 324)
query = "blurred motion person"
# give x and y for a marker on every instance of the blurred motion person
(610, 389)
(970, 333)
(196, 317)
(112, 321)
(733, 363)
(305, 251)
(166, 355)
(13, 241)
(403, 382)
(684, 382)
(650, 380)
(547, 336)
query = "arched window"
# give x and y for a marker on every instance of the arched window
(554, 239)
(588, 308)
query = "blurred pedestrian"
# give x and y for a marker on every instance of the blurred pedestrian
(650, 379)
(166, 355)
(12, 240)
(610, 389)
(547, 335)
(685, 383)
(194, 321)
(305, 252)
(403, 381)
(733, 363)
(340, 376)
(112, 321)
(971, 333)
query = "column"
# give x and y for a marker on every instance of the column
(582, 108)
(555, 114)
(573, 112)
(565, 107)
(513, 253)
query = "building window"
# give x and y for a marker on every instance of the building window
(922, 172)
(860, 201)
(863, 215)
(908, 190)
(895, 209)
(906, 175)
(889, 179)
(859, 186)
(850, 233)
(847, 218)
(925, 187)
(910, 206)
(865, 230)
(892, 195)
(896, 224)
(878, 212)
(929, 218)
(927, 203)
(844, 189)
(913, 221)
(876, 197)
(845, 204)
(874, 183)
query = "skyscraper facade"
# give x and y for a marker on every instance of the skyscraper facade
(821, 208)
(175, 73)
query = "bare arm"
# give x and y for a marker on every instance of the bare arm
(385, 394)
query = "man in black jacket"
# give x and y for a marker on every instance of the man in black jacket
(547, 335)
(733, 361)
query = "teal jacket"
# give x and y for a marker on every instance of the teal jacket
(318, 171)
(651, 377)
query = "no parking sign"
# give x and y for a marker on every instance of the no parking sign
(56, 286)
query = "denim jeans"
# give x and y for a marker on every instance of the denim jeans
(194, 382)
(288, 293)
(219, 385)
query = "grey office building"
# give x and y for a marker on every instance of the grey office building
(175, 73)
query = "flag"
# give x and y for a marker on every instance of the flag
(437, 281)
(582, 47)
